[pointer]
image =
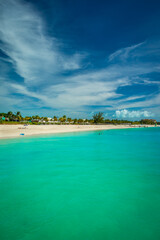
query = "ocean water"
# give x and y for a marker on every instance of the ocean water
(101, 185)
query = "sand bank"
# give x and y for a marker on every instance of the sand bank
(12, 131)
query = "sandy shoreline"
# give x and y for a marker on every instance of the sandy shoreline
(14, 131)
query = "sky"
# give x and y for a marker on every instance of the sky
(79, 57)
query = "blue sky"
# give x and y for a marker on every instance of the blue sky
(80, 57)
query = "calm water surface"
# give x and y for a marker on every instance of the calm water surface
(81, 186)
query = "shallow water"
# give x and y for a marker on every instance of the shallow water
(102, 185)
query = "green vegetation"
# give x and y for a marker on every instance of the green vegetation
(16, 118)
(98, 118)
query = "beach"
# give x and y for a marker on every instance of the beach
(12, 131)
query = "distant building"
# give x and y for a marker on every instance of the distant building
(50, 119)
(35, 120)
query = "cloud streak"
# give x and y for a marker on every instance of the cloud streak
(124, 53)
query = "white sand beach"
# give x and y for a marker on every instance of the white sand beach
(12, 131)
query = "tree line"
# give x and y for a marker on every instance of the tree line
(97, 118)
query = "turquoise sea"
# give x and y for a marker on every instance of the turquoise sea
(101, 185)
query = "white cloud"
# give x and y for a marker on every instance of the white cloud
(124, 53)
(153, 100)
(126, 114)
(72, 94)
(34, 55)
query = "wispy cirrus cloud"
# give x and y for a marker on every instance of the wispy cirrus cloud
(137, 52)
(34, 54)
(153, 101)
(124, 53)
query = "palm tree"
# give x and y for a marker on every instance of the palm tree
(69, 120)
(61, 119)
(18, 116)
(75, 120)
(10, 115)
(55, 118)
(64, 118)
